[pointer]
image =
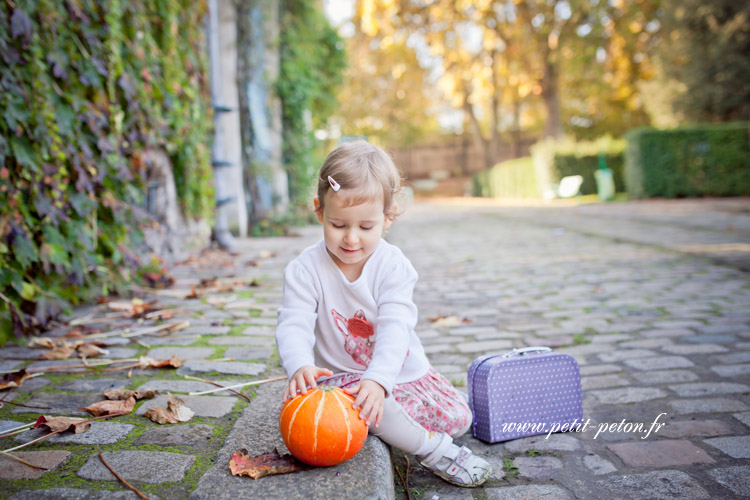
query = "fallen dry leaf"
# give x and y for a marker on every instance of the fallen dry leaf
(55, 424)
(125, 394)
(14, 379)
(58, 353)
(108, 407)
(448, 320)
(175, 412)
(133, 309)
(90, 351)
(194, 294)
(44, 342)
(146, 362)
(208, 283)
(242, 464)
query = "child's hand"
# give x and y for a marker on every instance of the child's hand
(302, 378)
(370, 396)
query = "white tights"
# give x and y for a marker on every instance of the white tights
(398, 429)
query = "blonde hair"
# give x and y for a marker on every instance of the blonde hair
(364, 169)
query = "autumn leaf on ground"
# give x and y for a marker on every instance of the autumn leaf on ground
(133, 309)
(448, 320)
(194, 294)
(110, 407)
(208, 283)
(55, 424)
(125, 394)
(175, 412)
(90, 351)
(44, 342)
(242, 464)
(81, 331)
(146, 362)
(14, 379)
(58, 353)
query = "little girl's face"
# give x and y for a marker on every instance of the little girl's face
(351, 233)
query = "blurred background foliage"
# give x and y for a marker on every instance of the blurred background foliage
(87, 88)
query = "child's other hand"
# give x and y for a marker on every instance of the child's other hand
(302, 378)
(369, 397)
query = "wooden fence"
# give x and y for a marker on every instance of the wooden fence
(454, 158)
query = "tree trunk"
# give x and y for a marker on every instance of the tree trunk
(489, 156)
(551, 96)
(260, 110)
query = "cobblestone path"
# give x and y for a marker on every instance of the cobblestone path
(651, 298)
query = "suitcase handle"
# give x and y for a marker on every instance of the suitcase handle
(527, 350)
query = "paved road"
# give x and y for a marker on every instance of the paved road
(651, 298)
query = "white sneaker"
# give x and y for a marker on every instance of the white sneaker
(456, 465)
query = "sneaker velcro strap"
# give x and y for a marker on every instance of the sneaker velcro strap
(459, 462)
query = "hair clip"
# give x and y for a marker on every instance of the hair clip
(334, 185)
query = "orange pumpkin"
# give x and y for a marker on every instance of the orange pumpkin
(321, 427)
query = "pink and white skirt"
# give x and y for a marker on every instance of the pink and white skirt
(431, 400)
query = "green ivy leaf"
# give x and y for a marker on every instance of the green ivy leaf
(24, 152)
(28, 291)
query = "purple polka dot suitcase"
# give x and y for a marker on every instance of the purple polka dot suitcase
(524, 392)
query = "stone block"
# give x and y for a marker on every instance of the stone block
(712, 405)
(99, 433)
(659, 363)
(627, 395)
(151, 467)
(695, 428)
(244, 340)
(657, 454)
(203, 406)
(60, 404)
(556, 442)
(597, 465)
(683, 350)
(528, 492)
(665, 376)
(484, 346)
(599, 369)
(708, 389)
(736, 479)
(205, 330)
(184, 353)
(743, 417)
(223, 367)
(262, 331)
(176, 435)
(735, 446)
(50, 460)
(658, 485)
(538, 467)
(732, 370)
(257, 430)
(98, 385)
(247, 354)
(623, 354)
(76, 494)
(602, 381)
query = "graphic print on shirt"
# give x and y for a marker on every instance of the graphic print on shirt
(359, 336)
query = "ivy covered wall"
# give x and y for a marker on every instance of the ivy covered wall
(86, 87)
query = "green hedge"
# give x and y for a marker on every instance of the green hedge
(87, 87)
(700, 160)
(512, 178)
(558, 158)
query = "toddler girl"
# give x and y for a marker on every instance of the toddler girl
(348, 309)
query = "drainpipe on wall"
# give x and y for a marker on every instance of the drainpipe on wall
(221, 167)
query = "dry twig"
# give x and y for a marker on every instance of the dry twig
(218, 385)
(257, 382)
(127, 484)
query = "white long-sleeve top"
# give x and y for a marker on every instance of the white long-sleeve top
(363, 326)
